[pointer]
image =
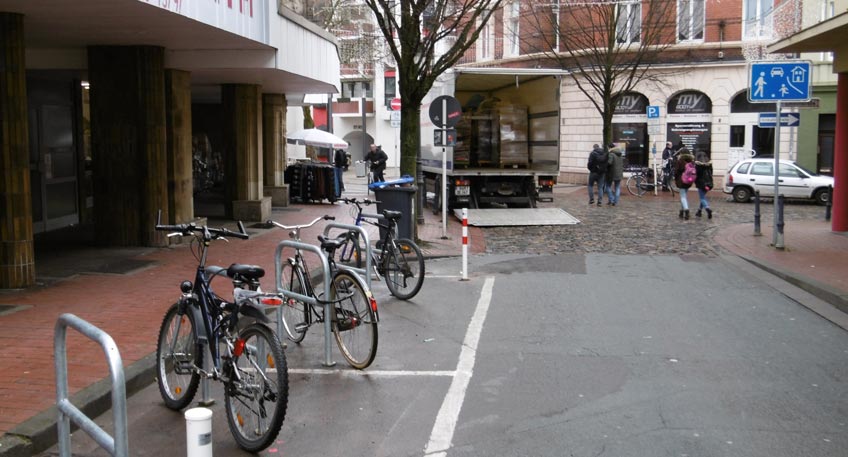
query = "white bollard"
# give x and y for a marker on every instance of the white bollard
(465, 244)
(199, 432)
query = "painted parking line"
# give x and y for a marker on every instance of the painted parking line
(443, 429)
(369, 373)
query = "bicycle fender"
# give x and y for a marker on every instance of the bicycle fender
(249, 310)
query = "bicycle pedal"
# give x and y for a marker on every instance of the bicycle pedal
(183, 367)
(301, 327)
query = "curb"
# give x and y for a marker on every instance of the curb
(816, 288)
(39, 432)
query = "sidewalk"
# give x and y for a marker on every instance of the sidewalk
(133, 288)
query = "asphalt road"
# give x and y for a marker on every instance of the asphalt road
(580, 353)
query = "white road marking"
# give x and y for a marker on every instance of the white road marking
(443, 429)
(382, 373)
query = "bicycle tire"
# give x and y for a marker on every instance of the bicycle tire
(351, 250)
(355, 324)
(257, 398)
(295, 313)
(403, 269)
(635, 185)
(178, 332)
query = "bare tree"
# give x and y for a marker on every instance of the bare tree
(425, 38)
(610, 46)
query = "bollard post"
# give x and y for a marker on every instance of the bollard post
(778, 241)
(757, 231)
(464, 244)
(829, 203)
(198, 432)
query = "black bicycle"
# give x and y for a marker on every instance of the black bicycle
(399, 261)
(246, 354)
(354, 318)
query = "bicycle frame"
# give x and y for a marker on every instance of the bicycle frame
(368, 250)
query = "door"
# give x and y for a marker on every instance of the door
(53, 171)
(762, 178)
(794, 183)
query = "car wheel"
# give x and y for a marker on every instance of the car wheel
(821, 196)
(742, 194)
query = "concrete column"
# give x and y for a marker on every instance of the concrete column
(839, 215)
(178, 121)
(17, 258)
(274, 148)
(128, 143)
(243, 151)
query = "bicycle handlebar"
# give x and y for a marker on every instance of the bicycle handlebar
(302, 226)
(356, 202)
(209, 232)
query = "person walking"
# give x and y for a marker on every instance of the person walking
(684, 158)
(339, 162)
(378, 160)
(667, 159)
(598, 162)
(703, 182)
(615, 172)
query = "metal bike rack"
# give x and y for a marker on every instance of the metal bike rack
(116, 446)
(325, 265)
(364, 272)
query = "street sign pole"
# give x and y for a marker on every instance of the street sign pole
(444, 170)
(777, 240)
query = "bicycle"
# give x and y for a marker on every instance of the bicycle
(246, 355)
(641, 181)
(354, 320)
(399, 261)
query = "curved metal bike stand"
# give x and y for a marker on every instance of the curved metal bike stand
(116, 446)
(362, 272)
(325, 265)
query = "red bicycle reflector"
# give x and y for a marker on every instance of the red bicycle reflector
(271, 301)
(239, 347)
(373, 304)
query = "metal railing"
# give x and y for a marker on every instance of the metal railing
(116, 446)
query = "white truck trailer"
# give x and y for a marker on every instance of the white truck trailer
(507, 141)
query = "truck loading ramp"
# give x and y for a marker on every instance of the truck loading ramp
(495, 217)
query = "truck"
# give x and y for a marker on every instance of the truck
(505, 147)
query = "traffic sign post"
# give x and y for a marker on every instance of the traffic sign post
(769, 120)
(776, 82)
(445, 112)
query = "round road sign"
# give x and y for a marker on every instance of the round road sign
(395, 104)
(453, 109)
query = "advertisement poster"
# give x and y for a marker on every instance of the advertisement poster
(694, 135)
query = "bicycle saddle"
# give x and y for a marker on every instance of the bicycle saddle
(389, 214)
(245, 271)
(330, 244)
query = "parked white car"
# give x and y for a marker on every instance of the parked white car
(796, 182)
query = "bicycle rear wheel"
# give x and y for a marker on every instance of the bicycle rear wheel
(256, 399)
(350, 252)
(636, 185)
(403, 269)
(295, 313)
(355, 325)
(177, 355)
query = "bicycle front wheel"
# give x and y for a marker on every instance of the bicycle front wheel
(257, 390)
(178, 354)
(404, 269)
(355, 325)
(295, 313)
(636, 185)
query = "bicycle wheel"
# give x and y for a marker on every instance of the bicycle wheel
(295, 315)
(403, 269)
(351, 250)
(177, 355)
(636, 185)
(257, 390)
(355, 326)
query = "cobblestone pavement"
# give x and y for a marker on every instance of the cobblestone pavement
(646, 225)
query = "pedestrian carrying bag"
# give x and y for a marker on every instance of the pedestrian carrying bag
(689, 173)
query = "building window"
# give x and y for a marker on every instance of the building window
(690, 20)
(486, 42)
(828, 10)
(514, 12)
(390, 86)
(757, 23)
(356, 89)
(628, 26)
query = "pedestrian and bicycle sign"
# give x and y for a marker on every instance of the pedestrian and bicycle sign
(780, 80)
(769, 120)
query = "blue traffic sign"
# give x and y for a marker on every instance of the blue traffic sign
(782, 80)
(769, 120)
(653, 112)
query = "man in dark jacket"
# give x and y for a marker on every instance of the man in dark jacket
(598, 161)
(615, 172)
(378, 160)
(339, 163)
